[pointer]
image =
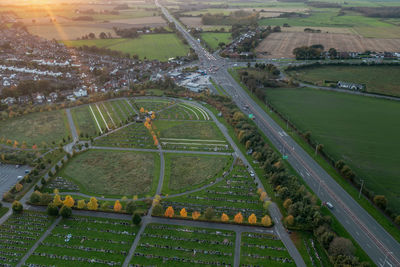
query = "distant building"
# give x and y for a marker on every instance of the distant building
(351, 86)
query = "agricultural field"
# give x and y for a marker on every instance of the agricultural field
(113, 173)
(378, 79)
(85, 241)
(213, 38)
(47, 128)
(263, 250)
(362, 132)
(184, 246)
(19, 233)
(235, 193)
(185, 172)
(148, 46)
(281, 45)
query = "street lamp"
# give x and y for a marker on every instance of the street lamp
(362, 183)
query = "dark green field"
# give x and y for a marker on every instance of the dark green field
(378, 79)
(362, 131)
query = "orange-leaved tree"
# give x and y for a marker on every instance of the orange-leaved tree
(266, 221)
(252, 219)
(69, 201)
(183, 213)
(169, 212)
(195, 215)
(117, 206)
(224, 217)
(238, 218)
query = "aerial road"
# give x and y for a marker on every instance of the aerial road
(382, 248)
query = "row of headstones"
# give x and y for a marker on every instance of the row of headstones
(33, 222)
(203, 148)
(96, 239)
(3, 236)
(245, 201)
(192, 250)
(262, 246)
(12, 230)
(4, 246)
(91, 220)
(262, 236)
(193, 240)
(187, 230)
(73, 258)
(62, 184)
(83, 248)
(239, 187)
(268, 257)
(179, 259)
(231, 193)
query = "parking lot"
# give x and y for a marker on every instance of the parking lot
(8, 176)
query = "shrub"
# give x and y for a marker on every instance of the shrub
(158, 210)
(35, 197)
(65, 211)
(131, 207)
(341, 246)
(380, 201)
(209, 213)
(17, 207)
(136, 219)
(52, 209)
(8, 197)
(46, 199)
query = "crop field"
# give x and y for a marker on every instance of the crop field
(40, 128)
(184, 172)
(132, 136)
(19, 233)
(213, 38)
(281, 45)
(362, 132)
(86, 241)
(171, 245)
(378, 79)
(263, 250)
(236, 193)
(148, 46)
(115, 173)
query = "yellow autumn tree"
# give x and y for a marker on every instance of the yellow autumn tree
(117, 206)
(141, 110)
(153, 116)
(224, 217)
(252, 219)
(287, 203)
(266, 221)
(183, 213)
(55, 191)
(15, 144)
(195, 215)
(69, 201)
(57, 200)
(238, 218)
(263, 196)
(18, 187)
(289, 220)
(135, 197)
(169, 212)
(81, 204)
(93, 205)
(259, 190)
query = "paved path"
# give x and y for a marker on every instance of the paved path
(34, 247)
(72, 126)
(238, 241)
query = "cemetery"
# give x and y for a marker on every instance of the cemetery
(170, 245)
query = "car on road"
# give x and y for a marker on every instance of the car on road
(329, 205)
(252, 174)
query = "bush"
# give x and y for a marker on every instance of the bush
(52, 209)
(130, 207)
(136, 219)
(380, 201)
(158, 210)
(209, 213)
(341, 246)
(46, 199)
(65, 211)
(35, 197)
(8, 197)
(17, 207)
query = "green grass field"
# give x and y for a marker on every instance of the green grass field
(214, 38)
(84, 120)
(360, 130)
(379, 79)
(113, 173)
(188, 130)
(149, 46)
(36, 128)
(183, 172)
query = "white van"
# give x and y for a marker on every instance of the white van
(329, 205)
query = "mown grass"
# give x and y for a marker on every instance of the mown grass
(214, 38)
(148, 46)
(113, 173)
(3, 210)
(84, 120)
(188, 130)
(184, 172)
(378, 79)
(38, 128)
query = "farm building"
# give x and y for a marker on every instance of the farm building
(351, 86)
